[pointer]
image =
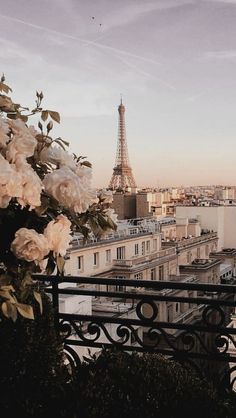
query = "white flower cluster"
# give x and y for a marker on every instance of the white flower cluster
(17, 178)
(29, 245)
(69, 182)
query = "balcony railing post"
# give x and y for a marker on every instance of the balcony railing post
(55, 300)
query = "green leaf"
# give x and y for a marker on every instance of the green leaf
(38, 297)
(27, 280)
(86, 163)
(44, 115)
(49, 126)
(4, 280)
(60, 263)
(40, 210)
(6, 295)
(64, 142)
(111, 223)
(5, 88)
(8, 288)
(40, 126)
(58, 141)
(50, 266)
(25, 310)
(24, 118)
(12, 115)
(9, 310)
(55, 116)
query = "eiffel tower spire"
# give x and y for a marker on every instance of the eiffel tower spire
(122, 177)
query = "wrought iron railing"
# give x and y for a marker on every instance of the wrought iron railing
(185, 320)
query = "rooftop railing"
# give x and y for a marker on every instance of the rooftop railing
(184, 320)
(145, 258)
(187, 242)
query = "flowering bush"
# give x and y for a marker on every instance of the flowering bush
(45, 195)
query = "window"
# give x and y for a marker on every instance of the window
(153, 274)
(135, 249)
(95, 259)
(143, 248)
(198, 253)
(108, 256)
(155, 244)
(148, 246)
(207, 250)
(120, 253)
(161, 272)
(189, 257)
(80, 262)
(138, 276)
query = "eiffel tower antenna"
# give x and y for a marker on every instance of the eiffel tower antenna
(122, 177)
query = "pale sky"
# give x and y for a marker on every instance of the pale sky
(174, 61)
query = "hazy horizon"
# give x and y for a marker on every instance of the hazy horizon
(174, 62)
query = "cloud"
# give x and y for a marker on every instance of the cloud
(197, 96)
(147, 74)
(219, 55)
(81, 40)
(223, 1)
(11, 51)
(133, 11)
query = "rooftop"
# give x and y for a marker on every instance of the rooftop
(200, 264)
(224, 252)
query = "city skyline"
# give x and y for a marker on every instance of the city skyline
(173, 61)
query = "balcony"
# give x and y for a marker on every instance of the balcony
(202, 334)
(145, 258)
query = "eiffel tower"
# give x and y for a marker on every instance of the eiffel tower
(122, 178)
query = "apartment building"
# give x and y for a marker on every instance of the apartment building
(134, 251)
(145, 249)
(220, 219)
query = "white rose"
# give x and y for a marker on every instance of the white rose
(57, 156)
(4, 129)
(70, 190)
(33, 131)
(29, 245)
(10, 182)
(106, 196)
(30, 183)
(84, 172)
(58, 235)
(23, 142)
